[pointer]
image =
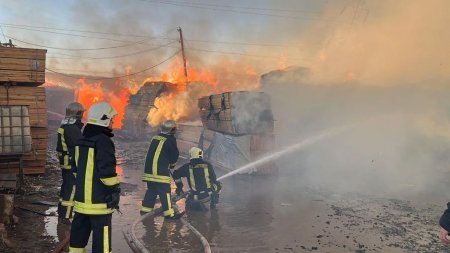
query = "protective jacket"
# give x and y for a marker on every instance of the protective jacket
(444, 221)
(68, 134)
(95, 168)
(200, 176)
(162, 154)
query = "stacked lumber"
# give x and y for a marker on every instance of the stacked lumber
(24, 66)
(237, 113)
(35, 99)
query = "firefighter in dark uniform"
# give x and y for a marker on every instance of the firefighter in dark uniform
(68, 134)
(161, 157)
(97, 186)
(201, 179)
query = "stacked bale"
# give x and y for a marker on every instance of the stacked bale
(238, 129)
(135, 120)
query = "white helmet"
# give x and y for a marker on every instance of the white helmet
(168, 127)
(195, 152)
(100, 114)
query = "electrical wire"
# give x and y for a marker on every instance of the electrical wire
(84, 36)
(115, 56)
(116, 77)
(244, 7)
(78, 49)
(87, 31)
(231, 10)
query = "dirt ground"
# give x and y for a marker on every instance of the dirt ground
(274, 218)
(31, 233)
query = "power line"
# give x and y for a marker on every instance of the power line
(234, 11)
(82, 36)
(78, 49)
(116, 77)
(244, 7)
(111, 57)
(162, 38)
(239, 43)
(87, 31)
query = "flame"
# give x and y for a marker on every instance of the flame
(89, 93)
(180, 103)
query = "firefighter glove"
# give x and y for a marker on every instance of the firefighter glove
(113, 197)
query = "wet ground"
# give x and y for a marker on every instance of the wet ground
(284, 214)
(263, 214)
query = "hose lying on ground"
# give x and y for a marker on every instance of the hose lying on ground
(206, 247)
(137, 246)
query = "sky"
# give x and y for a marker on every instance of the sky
(261, 33)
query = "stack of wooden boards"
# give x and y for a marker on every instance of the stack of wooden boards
(22, 66)
(21, 70)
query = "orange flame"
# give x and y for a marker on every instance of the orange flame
(89, 93)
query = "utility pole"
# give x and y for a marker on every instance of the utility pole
(184, 57)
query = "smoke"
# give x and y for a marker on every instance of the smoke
(386, 72)
(383, 43)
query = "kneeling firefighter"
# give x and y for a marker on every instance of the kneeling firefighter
(201, 179)
(97, 186)
(161, 157)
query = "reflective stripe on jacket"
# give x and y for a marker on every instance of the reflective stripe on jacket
(65, 145)
(200, 175)
(95, 167)
(162, 153)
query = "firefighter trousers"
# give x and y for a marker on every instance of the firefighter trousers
(162, 190)
(82, 225)
(66, 194)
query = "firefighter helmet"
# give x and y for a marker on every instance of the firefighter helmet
(195, 152)
(75, 110)
(101, 113)
(168, 127)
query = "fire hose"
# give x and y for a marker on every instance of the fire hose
(137, 246)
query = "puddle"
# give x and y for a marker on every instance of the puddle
(51, 223)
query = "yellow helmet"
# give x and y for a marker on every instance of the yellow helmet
(195, 152)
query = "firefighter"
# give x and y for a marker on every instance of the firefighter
(161, 157)
(68, 134)
(444, 222)
(97, 186)
(201, 179)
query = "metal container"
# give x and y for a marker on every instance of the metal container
(15, 133)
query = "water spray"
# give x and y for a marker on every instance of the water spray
(290, 149)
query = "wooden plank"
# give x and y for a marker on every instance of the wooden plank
(37, 77)
(23, 53)
(22, 64)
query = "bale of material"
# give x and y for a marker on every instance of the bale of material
(237, 113)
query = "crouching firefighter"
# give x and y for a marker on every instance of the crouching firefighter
(97, 186)
(161, 157)
(68, 134)
(201, 179)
